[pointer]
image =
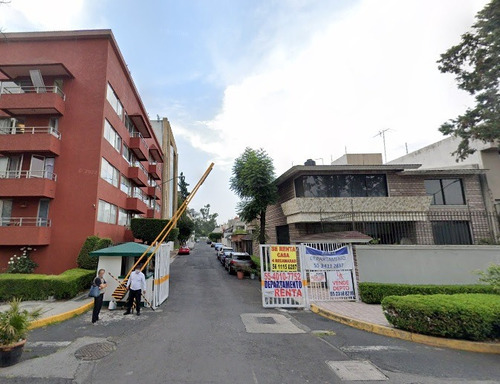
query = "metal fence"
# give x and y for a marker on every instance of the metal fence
(434, 227)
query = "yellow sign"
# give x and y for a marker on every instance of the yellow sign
(283, 258)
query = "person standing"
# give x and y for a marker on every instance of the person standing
(101, 283)
(136, 284)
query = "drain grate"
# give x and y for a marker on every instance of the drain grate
(94, 351)
(266, 320)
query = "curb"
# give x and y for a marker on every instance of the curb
(61, 317)
(463, 345)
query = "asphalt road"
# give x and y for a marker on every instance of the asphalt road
(204, 333)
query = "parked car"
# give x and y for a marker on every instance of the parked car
(223, 255)
(183, 250)
(217, 246)
(209, 242)
(238, 259)
(222, 250)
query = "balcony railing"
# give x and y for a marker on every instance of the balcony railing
(30, 130)
(139, 165)
(138, 134)
(24, 222)
(28, 175)
(9, 90)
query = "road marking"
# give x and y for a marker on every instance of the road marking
(371, 348)
(48, 344)
(356, 370)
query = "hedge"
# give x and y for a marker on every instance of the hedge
(148, 229)
(374, 293)
(91, 243)
(39, 287)
(462, 316)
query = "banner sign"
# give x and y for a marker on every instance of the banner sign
(282, 284)
(284, 258)
(317, 277)
(317, 259)
(340, 284)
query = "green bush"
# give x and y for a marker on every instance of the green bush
(148, 229)
(461, 316)
(215, 237)
(374, 293)
(92, 243)
(39, 287)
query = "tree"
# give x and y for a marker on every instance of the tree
(183, 187)
(475, 62)
(148, 229)
(253, 181)
(215, 237)
(204, 221)
(186, 227)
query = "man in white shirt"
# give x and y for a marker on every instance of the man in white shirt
(136, 284)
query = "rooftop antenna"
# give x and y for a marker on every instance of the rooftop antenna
(406, 145)
(382, 133)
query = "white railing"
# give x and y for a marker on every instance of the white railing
(30, 130)
(24, 222)
(9, 90)
(138, 134)
(28, 175)
(139, 194)
(138, 164)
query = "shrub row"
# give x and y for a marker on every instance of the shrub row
(92, 243)
(462, 316)
(374, 293)
(39, 287)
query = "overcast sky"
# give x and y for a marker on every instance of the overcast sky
(300, 78)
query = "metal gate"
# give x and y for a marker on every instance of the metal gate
(162, 274)
(294, 275)
(329, 271)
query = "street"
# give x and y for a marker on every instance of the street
(213, 329)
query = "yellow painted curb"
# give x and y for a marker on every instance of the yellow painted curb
(61, 317)
(464, 345)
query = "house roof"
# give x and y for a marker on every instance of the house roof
(444, 171)
(335, 237)
(332, 169)
(123, 250)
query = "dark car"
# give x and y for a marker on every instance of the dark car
(183, 250)
(238, 260)
(222, 256)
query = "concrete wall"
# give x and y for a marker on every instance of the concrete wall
(446, 264)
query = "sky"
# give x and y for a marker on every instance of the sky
(302, 79)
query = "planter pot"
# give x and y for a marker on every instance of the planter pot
(252, 276)
(240, 275)
(10, 354)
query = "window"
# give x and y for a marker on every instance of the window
(109, 173)
(125, 185)
(5, 211)
(127, 155)
(112, 136)
(106, 212)
(43, 213)
(341, 186)
(42, 167)
(445, 191)
(114, 101)
(124, 217)
(451, 232)
(130, 125)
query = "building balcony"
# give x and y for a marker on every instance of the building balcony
(136, 205)
(138, 174)
(154, 169)
(27, 183)
(17, 100)
(349, 209)
(154, 192)
(25, 230)
(43, 140)
(139, 147)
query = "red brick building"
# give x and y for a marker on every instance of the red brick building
(78, 155)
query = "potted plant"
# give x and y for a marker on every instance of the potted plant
(14, 326)
(240, 272)
(253, 273)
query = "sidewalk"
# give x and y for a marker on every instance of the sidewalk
(370, 318)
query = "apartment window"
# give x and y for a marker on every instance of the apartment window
(112, 136)
(114, 101)
(124, 217)
(125, 185)
(127, 155)
(109, 173)
(451, 232)
(5, 211)
(341, 186)
(106, 212)
(132, 129)
(445, 191)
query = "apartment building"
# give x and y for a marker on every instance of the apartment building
(392, 203)
(78, 155)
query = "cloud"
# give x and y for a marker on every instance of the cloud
(372, 67)
(47, 15)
